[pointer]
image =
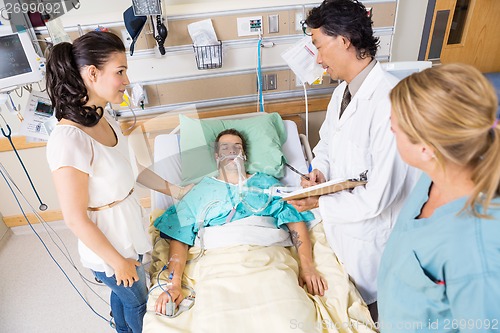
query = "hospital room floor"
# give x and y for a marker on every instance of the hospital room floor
(35, 295)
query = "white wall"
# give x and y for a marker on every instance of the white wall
(410, 20)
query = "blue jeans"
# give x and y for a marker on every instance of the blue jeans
(127, 303)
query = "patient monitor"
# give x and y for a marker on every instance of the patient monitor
(20, 63)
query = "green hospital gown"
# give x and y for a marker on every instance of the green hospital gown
(213, 202)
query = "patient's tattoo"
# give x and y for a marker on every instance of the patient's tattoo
(295, 239)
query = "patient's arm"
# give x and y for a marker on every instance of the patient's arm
(308, 274)
(178, 256)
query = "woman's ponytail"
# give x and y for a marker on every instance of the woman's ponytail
(65, 86)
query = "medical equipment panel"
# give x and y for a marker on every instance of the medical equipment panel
(38, 116)
(20, 63)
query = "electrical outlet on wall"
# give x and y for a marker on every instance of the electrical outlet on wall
(269, 82)
(273, 23)
(272, 83)
(299, 17)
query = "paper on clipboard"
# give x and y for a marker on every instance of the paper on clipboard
(329, 187)
(301, 58)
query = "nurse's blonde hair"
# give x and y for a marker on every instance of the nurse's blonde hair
(452, 108)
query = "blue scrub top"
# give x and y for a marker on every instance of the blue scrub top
(214, 202)
(442, 273)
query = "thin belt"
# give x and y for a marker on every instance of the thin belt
(114, 203)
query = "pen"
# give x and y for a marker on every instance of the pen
(297, 171)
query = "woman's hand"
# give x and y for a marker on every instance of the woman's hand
(314, 282)
(126, 273)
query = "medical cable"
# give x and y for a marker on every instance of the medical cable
(201, 225)
(249, 190)
(183, 306)
(259, 73)
(169, 279)
(161, 285)
(186, 304)
(12, 107)
(8, 135)
(169, 282)
(40, 87)
(170, 276)
(13, 104)
(307, 111)
(242, 175)
(46, 226)
(131, 110)
(2, 169)
(238, 160)
(243, 189)
(64, 252)
(17, 93)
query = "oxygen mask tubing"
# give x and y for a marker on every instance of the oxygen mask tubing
(255, 199)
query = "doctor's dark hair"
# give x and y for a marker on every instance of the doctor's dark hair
(347, 18)
(452, 108)
(232, 131)
(65, 85)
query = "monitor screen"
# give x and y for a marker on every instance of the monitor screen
(20, 63)
(14, 61)
(44, 109)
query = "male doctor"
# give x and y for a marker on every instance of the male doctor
(355, 137)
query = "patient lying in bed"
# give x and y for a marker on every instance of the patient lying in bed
(245, 272)
(237, 197)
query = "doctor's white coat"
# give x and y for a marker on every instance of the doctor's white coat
(358, 223)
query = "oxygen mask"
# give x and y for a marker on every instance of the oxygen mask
(255, 199)
(232, 158)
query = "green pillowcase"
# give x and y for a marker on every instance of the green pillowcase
(265, 134)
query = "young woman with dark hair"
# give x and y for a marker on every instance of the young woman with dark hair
(92, 172)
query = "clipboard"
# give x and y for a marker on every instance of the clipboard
(323, 188)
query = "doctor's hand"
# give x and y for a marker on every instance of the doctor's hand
(315, 177)
(305, 204)
(126, 273)
(314, 282)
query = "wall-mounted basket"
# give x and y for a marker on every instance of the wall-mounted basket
(208, 56)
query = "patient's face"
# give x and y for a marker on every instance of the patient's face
(228, 145)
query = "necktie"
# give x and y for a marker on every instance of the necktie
(346, 98)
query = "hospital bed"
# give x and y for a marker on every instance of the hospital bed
(252, 288)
